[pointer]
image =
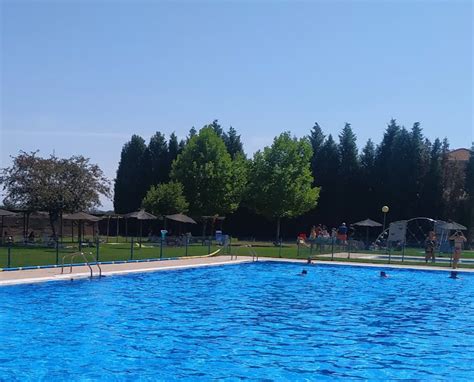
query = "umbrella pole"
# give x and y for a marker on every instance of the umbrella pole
(2, 230)
(367, 237)
(141, 227)
(117, 234)
(108, 224)
(126, 230)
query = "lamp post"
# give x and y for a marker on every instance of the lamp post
(385, 209)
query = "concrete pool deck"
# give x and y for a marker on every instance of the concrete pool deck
(54, 274)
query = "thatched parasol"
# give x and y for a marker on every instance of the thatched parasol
(4, 213)
(81, 217)
(140, 215)
(367, 223)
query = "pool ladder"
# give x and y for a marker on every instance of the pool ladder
(80, 254)
(251, 251)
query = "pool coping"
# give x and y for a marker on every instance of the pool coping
(32, 276)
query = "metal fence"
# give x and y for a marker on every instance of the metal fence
(24, 254)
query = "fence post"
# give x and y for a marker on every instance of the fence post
(161, 247)
(349, 249)
(389, 253)
(57, 252)
(131, 249)
(209, 246)
(97, 250)
(403, 252)
(298, 248)
(332, 249)
(187, 239)
(9, 263)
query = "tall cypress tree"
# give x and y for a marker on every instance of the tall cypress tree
(348, 177)
(328, 172)
(158, 151)
(192, 133)
(128, 187)
(173, 149)
(233, 143)
(433, 186)
(384, 164)
(316, 138)
(368, 179)
(419, 157)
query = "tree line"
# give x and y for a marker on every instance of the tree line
(314, 179)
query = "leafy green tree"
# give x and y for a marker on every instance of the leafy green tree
(129, 188)
(233, 143)
(213, 183)
(165, 199)
(53, 184)
(280, 179)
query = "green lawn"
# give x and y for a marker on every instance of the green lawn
(21, 256)
(119, 250)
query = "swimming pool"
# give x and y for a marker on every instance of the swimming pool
(249, 321)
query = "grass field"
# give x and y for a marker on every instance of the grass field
(121, 250)
(21, 256)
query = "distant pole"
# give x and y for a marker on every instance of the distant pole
(9, 255)
(97, 245)
(117, 233)
(385, 210)
(161, 247)
(57, 252)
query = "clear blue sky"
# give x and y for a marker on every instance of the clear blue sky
(80, 78)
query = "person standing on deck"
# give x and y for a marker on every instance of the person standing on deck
(458, 239)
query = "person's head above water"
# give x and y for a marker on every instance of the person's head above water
(453, 275)
(304, 272)
(383, 274)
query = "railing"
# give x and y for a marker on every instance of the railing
(80, 254)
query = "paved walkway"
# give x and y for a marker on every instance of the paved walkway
(54, 274)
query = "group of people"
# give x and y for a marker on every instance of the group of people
(321, 231)
(458, 239)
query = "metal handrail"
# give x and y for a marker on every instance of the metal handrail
(252, 252)
(75, 254)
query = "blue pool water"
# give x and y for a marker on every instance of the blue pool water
(250, 321)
